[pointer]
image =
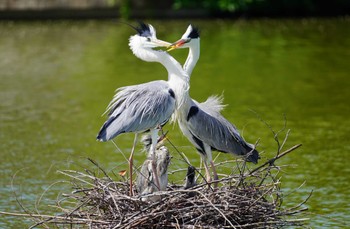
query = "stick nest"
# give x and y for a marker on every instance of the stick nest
(249, 199)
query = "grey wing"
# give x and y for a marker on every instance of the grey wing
(213, 129)
(138, 108)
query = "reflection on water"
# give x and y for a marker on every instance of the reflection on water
(58, 77)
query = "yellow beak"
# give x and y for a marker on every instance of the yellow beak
(160, 43)
(176, 45)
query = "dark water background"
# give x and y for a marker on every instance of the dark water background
(58, 77)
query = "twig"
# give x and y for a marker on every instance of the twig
(271, 161)
(247, 199)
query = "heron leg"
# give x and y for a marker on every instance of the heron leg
(131, 164)
(205, 153)
(215, 175)
(207, 171)
(154, 136)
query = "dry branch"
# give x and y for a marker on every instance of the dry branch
(250, 199)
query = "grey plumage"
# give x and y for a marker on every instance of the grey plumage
(202, 123)
(190, 178)
(145, 106)
(138, 108)
(145, 181)
(210, 127)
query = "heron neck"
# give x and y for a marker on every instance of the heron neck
(186, 101)
(175, 71)
(178, 79)
(192, 58)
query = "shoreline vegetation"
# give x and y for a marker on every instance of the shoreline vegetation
(248, 197)
(171, 9)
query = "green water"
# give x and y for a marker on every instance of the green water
(58, 77)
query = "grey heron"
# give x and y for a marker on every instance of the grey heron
(202, 123)
(145, 181)
(146, 106)
(190, 177)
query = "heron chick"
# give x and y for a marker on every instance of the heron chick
(145, 181)
(190, 177)
(146, 140)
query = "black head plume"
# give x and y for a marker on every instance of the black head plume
(144, 30)
(194, 32)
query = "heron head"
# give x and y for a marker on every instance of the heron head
(188, 39)
(143, 43)
(146, 37)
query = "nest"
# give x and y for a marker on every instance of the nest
(246, 198)
(249, 199)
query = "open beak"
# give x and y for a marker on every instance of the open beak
(176, 45)
(162, 138)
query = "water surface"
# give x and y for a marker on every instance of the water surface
(58, 77)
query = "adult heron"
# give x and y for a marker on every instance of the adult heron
(147, 106)
(202, 123)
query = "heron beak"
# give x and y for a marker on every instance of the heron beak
(162, 138)
(176, 45)
(160, 43)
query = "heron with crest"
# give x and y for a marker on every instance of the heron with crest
(202, 123)
(147, 106)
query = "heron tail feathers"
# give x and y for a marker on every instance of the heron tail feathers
(107, 132)
(102, 135)
(252, 154)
